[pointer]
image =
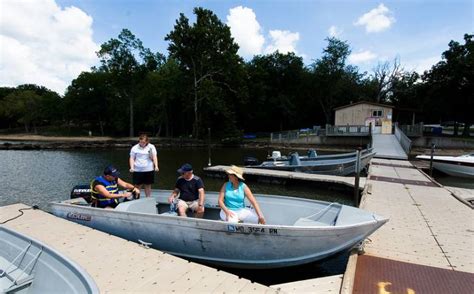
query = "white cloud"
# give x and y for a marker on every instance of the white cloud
(420, 65)
(246, 30)
(377, 20)
(283, 41)
(362, 57)
(334, 31)
(44, 44)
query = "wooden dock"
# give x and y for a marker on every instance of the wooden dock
(430, 235)
(287, 175)
(118, 265)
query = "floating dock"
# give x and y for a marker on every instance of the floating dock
(271, 176)
(118, 265)
(428, 243)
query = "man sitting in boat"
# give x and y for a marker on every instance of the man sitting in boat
(104, 189)
(190, 189)
(231, 200)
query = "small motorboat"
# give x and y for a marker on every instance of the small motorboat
(297, 230)
(334, 164)
(29, 266)
(457, 166)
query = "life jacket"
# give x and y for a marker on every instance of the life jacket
(99, 199)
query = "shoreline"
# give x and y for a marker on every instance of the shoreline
(39, 142)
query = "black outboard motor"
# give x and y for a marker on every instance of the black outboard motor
(248, 160)
(83, 191)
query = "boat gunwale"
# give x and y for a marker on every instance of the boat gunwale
(193, 219)
(80, 272)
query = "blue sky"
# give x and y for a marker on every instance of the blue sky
(68, 32)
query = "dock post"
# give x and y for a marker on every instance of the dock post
(357, 178)
(209, 147)
(431, 159)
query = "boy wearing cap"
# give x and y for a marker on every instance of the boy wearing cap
(190, 189)
(105, 188)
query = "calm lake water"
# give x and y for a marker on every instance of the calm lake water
(39, 177)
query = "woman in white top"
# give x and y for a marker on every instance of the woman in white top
(143, 163)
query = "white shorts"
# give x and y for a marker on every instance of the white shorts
(244, 215)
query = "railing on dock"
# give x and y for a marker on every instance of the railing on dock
(405, 142)
(293, 134)
(347, 130)
(412, 130)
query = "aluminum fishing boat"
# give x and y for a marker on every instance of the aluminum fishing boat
(29, 266)
(458, 166)
(298, 230)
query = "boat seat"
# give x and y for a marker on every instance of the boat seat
(306, 222)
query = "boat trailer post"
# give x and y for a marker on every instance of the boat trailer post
(431, 159)
(357, 177)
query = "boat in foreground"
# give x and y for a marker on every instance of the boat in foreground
(334, 164)
(457, 166)
(298, 230)
(29, 266)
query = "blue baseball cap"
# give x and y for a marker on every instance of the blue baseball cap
(185, 168)
(111, 171)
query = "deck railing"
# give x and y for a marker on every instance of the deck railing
(405, 142)
(347, 130)
(293, 134)
(412, 130)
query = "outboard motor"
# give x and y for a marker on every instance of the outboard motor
(276, 155)
(312, 153)
(295, 159)
(82, 191)
(248, 160)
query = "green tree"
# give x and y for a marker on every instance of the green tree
(21, 106)
(128, 62)
(334, 82)
(207, 55)
(160, 97)
(449, 85)
(277, 87)
(88, 100)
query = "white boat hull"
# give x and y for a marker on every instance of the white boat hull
(218, 242)
(460, 166)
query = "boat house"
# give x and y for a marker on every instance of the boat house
(364, 113)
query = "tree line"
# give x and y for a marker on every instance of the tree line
(203, 83)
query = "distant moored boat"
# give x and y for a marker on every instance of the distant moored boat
(458, 166)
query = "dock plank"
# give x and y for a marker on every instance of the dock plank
(427, 225)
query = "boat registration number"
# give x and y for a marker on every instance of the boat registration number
(251, 230)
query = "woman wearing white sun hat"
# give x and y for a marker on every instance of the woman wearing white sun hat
(231, 200)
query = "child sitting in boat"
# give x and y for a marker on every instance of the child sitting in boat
(231, 200)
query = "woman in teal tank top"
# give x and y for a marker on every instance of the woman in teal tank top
(231, 200)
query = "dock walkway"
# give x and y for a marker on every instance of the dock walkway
(430, 233)
(118, 265)
(387, 146)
